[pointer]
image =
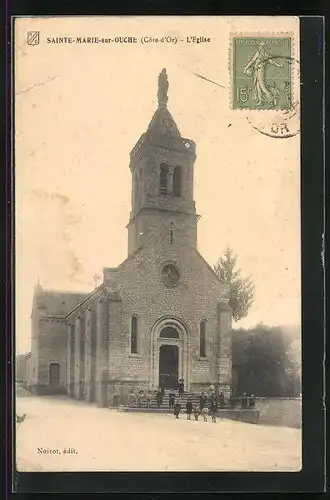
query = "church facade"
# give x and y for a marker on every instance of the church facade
(162, 314)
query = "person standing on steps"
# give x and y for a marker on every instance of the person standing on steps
(252, 401)
(214, 410)
(159, 398)
(196, 412)
(149, 399)
(177, 409)
(202, 401)
(171, 398)
(181, 386)
(205, 413)
(189, 407)
(140, 398)
(212, 398)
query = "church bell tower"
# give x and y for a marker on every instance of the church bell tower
(162, 166)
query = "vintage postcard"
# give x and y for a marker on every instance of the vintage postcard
(158, 287)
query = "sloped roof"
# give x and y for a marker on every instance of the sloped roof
(162, 123)
(54, 303)
(163, 131)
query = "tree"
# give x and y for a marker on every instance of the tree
(241, 289)
(266, 361)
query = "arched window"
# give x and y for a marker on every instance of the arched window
(163, 179)
(134, 335)
(169, 332)
(54, 374)
(177, 174)
(202, 339)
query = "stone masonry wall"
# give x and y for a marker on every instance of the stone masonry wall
(150, 166)
(280, 411)
(194, 299)
(147, 196)
(225, 352)
(52, 349)
(32, 380)
(101, 336)
(149, 224)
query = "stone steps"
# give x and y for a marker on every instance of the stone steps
(182, 398)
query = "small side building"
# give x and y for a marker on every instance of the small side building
(47, 360)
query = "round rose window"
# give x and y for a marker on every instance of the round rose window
(170, 275)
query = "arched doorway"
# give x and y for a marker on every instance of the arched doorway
(169, 359)
(169, 350)
(168, 366)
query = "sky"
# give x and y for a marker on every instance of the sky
(80, 109)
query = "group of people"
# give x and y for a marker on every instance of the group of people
(144, 398)
(207, 406)
(245, 401)
(209, 401)
(141, 399)
(248, 401)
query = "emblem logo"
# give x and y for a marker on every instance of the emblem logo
(33, 37)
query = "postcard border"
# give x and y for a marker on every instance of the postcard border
(311, 478)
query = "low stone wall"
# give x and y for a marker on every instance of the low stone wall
(279, 411)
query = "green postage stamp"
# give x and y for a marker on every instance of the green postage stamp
(261, 72)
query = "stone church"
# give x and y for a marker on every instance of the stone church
(162, 314)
